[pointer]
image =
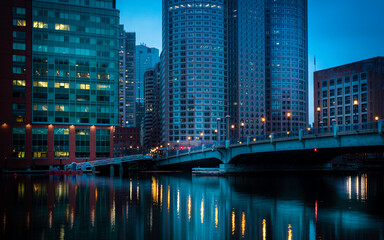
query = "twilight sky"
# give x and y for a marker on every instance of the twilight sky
(339, 31)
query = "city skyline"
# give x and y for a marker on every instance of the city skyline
(333, 33)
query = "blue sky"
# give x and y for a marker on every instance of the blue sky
(339, 31)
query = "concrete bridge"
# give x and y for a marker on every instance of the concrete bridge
(306, 147)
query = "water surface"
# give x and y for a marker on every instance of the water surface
(179, 206)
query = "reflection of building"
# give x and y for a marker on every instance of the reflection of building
(145, 58)
(351, 93)
(152, 114)
(60, 73)
(127, 99)
(126, 141)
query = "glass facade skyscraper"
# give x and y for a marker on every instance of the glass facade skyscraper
(194, 76)
(286, 48)
(63, 80)
(240, 62)
(127, 96)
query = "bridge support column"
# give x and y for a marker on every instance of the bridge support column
(272, 136)
(227, 168)
(248, 140)
(202, 148)
(227, 143)
(111, 170)
(121, 170)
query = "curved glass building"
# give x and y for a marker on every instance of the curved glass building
(194, 70)
(286, 48)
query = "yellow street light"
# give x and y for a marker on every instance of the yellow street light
(377, 118)
(263, 119)
(288, 114)
(242, 124)
(189, 138)
(233, 126)
(318, 109)
(355, 102)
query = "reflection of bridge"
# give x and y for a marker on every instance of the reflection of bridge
(318, 145)
(91, 165)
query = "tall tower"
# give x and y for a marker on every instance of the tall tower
(127, 94)
(146, 57)
(286, 48)
(246, 58)
(194, 70)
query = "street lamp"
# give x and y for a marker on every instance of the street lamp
(242, 130)
(355, 110)
(189, 141)
(227, 118)
(232, 128)
(218, 128)
(318, 116)
(289, 125)
(263, 121)
(377, 118)
(201, 136)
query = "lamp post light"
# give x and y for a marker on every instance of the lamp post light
(242, 129)
(263, 121)
(232, 128)
(377, 118)
(201, 136)
(289, 125)
(355, 110)
(218, 128)
(318, 116)
(228, 130)
(189, 141)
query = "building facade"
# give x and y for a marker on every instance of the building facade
(126, 141)
(127, 71)
(351, 93)
(286, 63)
(152, 107)
(233, 66)
(194, 75)
(146, 57)
(246, 58)
(61, 80)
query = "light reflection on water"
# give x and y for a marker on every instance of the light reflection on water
(269, 206)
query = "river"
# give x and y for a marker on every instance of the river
(180, 206)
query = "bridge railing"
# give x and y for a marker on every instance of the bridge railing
(283, 135)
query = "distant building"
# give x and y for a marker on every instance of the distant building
(146, 57)
(351, 93)
(127, 93)
(60, 80)
(152, 107)
(126, 141)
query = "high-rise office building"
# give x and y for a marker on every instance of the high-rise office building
(241, 63)
(246, 60)
(60, 74)
(194, 77)
(127, 69)
(286, 48)
(351, 93)
(146, 57)
(152, 107)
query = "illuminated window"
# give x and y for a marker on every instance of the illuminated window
(40, 84)
(83, 86)
(60, 108)
(61, 142)
(103, 87)
(61, 27)
(37, 24)
(19, 22)
(40, 107)
(61, 85)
